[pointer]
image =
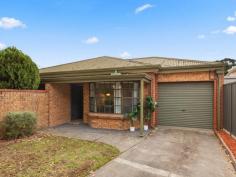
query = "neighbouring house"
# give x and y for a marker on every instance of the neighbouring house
(100, 91)
(231, 76)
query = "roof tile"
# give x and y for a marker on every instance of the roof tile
(106, 62)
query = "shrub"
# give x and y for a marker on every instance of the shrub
(19, 124)
(17, 70)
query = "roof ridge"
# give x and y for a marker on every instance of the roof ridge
(170, 58)
(82, 61)
(137, 62)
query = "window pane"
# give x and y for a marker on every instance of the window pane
(92, 100)
(135, 93)
(117, 97)
(114, 97)
(105, 97)
(92, 105)
(92, 90)
(127, 105)
(127, 88)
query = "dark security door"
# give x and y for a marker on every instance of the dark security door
(76, 101)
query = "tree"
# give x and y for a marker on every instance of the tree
(17, 70)
(229, 63)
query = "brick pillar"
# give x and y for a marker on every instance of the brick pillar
(222, 101)
(218, 78)
(59, 103)
(215, 104)
(85, 102)
(154, 96)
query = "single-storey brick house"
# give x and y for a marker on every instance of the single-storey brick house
(101, 90)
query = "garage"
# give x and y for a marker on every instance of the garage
(186, 104)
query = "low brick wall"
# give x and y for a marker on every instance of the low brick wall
(109, 121)
(59, 103)
(25, 100)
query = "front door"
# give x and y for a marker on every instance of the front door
(76, 101)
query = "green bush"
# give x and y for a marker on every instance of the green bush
(19, 124)
(17, 70)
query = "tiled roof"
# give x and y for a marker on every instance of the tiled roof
(170, 62)
(94, 63)
(112, 62)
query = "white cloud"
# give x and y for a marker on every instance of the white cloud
(231, 19)
(92, 40)
(2, 46)
(143, 7)
(8, 23)
(230, 30)
(125, 55)
(201, 36)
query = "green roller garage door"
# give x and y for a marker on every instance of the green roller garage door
(186, 104)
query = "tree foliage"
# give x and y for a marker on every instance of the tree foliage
(17, 70)
(229, 63)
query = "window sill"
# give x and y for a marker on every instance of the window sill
(105, 115)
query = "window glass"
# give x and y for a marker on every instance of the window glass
(113, 97)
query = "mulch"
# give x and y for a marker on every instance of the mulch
(229, 141)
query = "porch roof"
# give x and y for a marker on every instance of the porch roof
(98, 69)
(97, 78)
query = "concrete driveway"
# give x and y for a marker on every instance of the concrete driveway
(166, 152)
(172, 152)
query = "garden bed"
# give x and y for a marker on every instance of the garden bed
(229, 141)
(47, 155)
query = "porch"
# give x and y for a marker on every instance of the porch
(105, 102)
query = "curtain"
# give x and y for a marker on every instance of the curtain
(117, 97)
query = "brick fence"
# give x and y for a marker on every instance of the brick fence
(52, 106)
(25, 100)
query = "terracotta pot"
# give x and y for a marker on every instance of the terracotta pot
(132, 129)
(145, 127)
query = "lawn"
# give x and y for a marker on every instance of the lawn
(47, 155)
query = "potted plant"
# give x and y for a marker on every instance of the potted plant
(133, 117)
(150, 108)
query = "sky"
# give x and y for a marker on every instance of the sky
(53, 32)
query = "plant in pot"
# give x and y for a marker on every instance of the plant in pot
(150, 108)
(133, 116)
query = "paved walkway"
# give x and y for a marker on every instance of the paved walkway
(123, 140)
(167, 152)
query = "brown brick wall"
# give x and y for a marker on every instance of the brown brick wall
(59, 103)
(25, 100)
(215, 122)
(154, 96)
(222, 100)
(86, 102)
(109, 121)
(185, 76)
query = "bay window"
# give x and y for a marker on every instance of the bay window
(113, 97)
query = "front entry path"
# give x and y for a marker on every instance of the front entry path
(167, 152)
(123, 140)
